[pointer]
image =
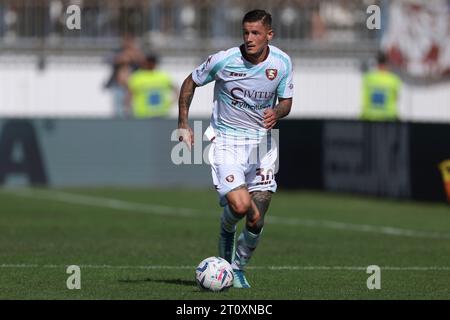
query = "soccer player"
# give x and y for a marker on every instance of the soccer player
(253, 90)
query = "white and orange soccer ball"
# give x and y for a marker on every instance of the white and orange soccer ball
(215, 274)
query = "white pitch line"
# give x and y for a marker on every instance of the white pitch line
(358, 227)
(270, 268)
(123, 205)
(102, 202)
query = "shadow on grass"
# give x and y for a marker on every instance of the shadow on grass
(187, 283)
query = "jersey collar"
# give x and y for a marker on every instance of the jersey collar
(244, 55)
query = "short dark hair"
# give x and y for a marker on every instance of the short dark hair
(258, 15)
(382, 57)
(152, 58)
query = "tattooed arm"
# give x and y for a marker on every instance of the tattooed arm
(282, 109)
(184, 102)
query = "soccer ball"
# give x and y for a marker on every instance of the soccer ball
(215, 274)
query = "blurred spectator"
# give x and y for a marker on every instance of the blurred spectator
(2, 19)
(380, 93)
(126, 60)
(318, 27)
(55, 17)
(151, 92)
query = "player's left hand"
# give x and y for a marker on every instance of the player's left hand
(270, 118)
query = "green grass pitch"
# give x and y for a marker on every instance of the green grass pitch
(145, 244)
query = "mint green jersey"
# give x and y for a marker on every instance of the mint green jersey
(243, 90)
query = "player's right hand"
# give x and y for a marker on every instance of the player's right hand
(186, 135)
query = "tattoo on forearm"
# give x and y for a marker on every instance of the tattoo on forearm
(186, 99)
(184, 102)
(283, 108)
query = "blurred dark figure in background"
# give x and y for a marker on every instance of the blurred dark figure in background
(2, 19)
(380, 92)
(125, 61)
(151, 92)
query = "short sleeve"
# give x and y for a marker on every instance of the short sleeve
(207, 71)
(286, 86)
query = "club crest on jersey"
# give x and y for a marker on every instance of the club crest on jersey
(230, 178)
(271, 73)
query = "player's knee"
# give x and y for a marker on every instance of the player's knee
(240, 207)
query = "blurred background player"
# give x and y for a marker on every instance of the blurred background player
(380, 92)
(125, 61)
(249, 80)
(151, 91)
